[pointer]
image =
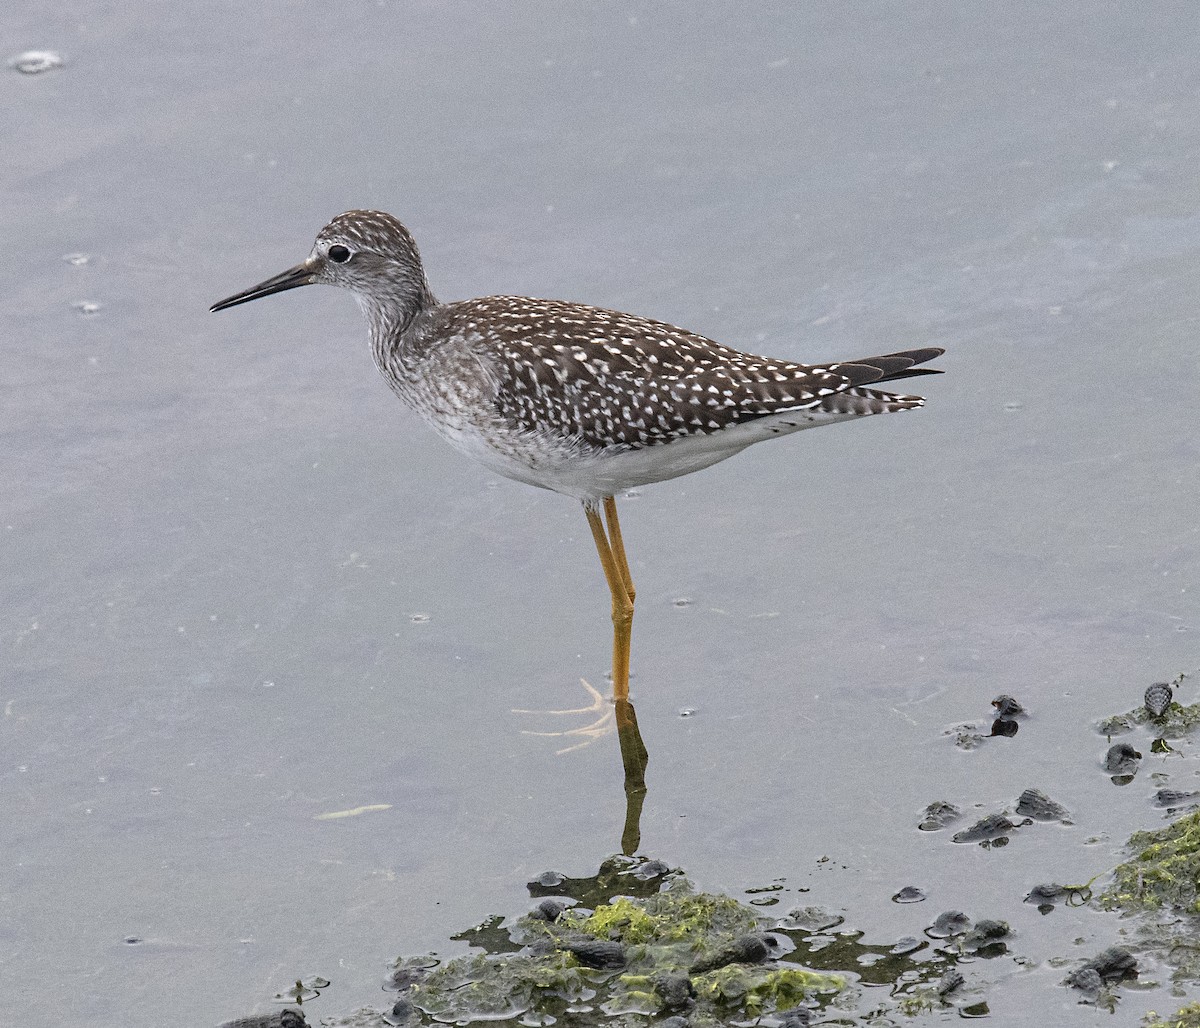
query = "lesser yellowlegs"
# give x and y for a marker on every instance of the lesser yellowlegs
(584, 401)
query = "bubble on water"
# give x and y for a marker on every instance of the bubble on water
(86, 307)
(683, 601)
(77, 259)
(419, 618)
(34, 62)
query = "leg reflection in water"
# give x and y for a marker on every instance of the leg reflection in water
(634, 756)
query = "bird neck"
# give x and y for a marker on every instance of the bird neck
(389, 318)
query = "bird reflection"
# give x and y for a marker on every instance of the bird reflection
(634, 756)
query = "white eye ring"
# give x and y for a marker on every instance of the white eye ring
(339, 254)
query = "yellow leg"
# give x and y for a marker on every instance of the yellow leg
(622, 601)
(618, 545)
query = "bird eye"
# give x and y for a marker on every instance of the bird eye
(339, 254)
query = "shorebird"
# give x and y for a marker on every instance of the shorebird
(580, 400)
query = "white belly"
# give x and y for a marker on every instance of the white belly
(593, 475)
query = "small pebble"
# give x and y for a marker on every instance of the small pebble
(1173, 797)
(907, 944)
(1037, 805)
(909, 894)
(280, 1019)
(747, 949)
(1121, 759)
(650, 870)
(1007, 707)
(986, 938)
(948, 924)
(1158, 699)
(988, 829)
(937, 815)
(598, 953)
(951, 980)
(1046, 895)
(675, 989)
(548, 910)
(1114, 964)
(548, 880)
(752, 949)
(797, 1017)
(808, 919)
(1087, 980)
(408, 972)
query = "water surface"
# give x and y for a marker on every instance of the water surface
(218, 529)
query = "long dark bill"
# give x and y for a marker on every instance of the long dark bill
(300, 275)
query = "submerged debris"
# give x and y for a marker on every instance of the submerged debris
(938, 815)
(966, 736)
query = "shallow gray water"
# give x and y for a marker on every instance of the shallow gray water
(218, 529)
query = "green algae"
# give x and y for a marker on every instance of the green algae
(479, 987)
(1163, 872)
(756, 993)
(702, 919)
(678, 950)
(1185, 1017)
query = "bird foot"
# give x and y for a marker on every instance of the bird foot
(586, 734)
